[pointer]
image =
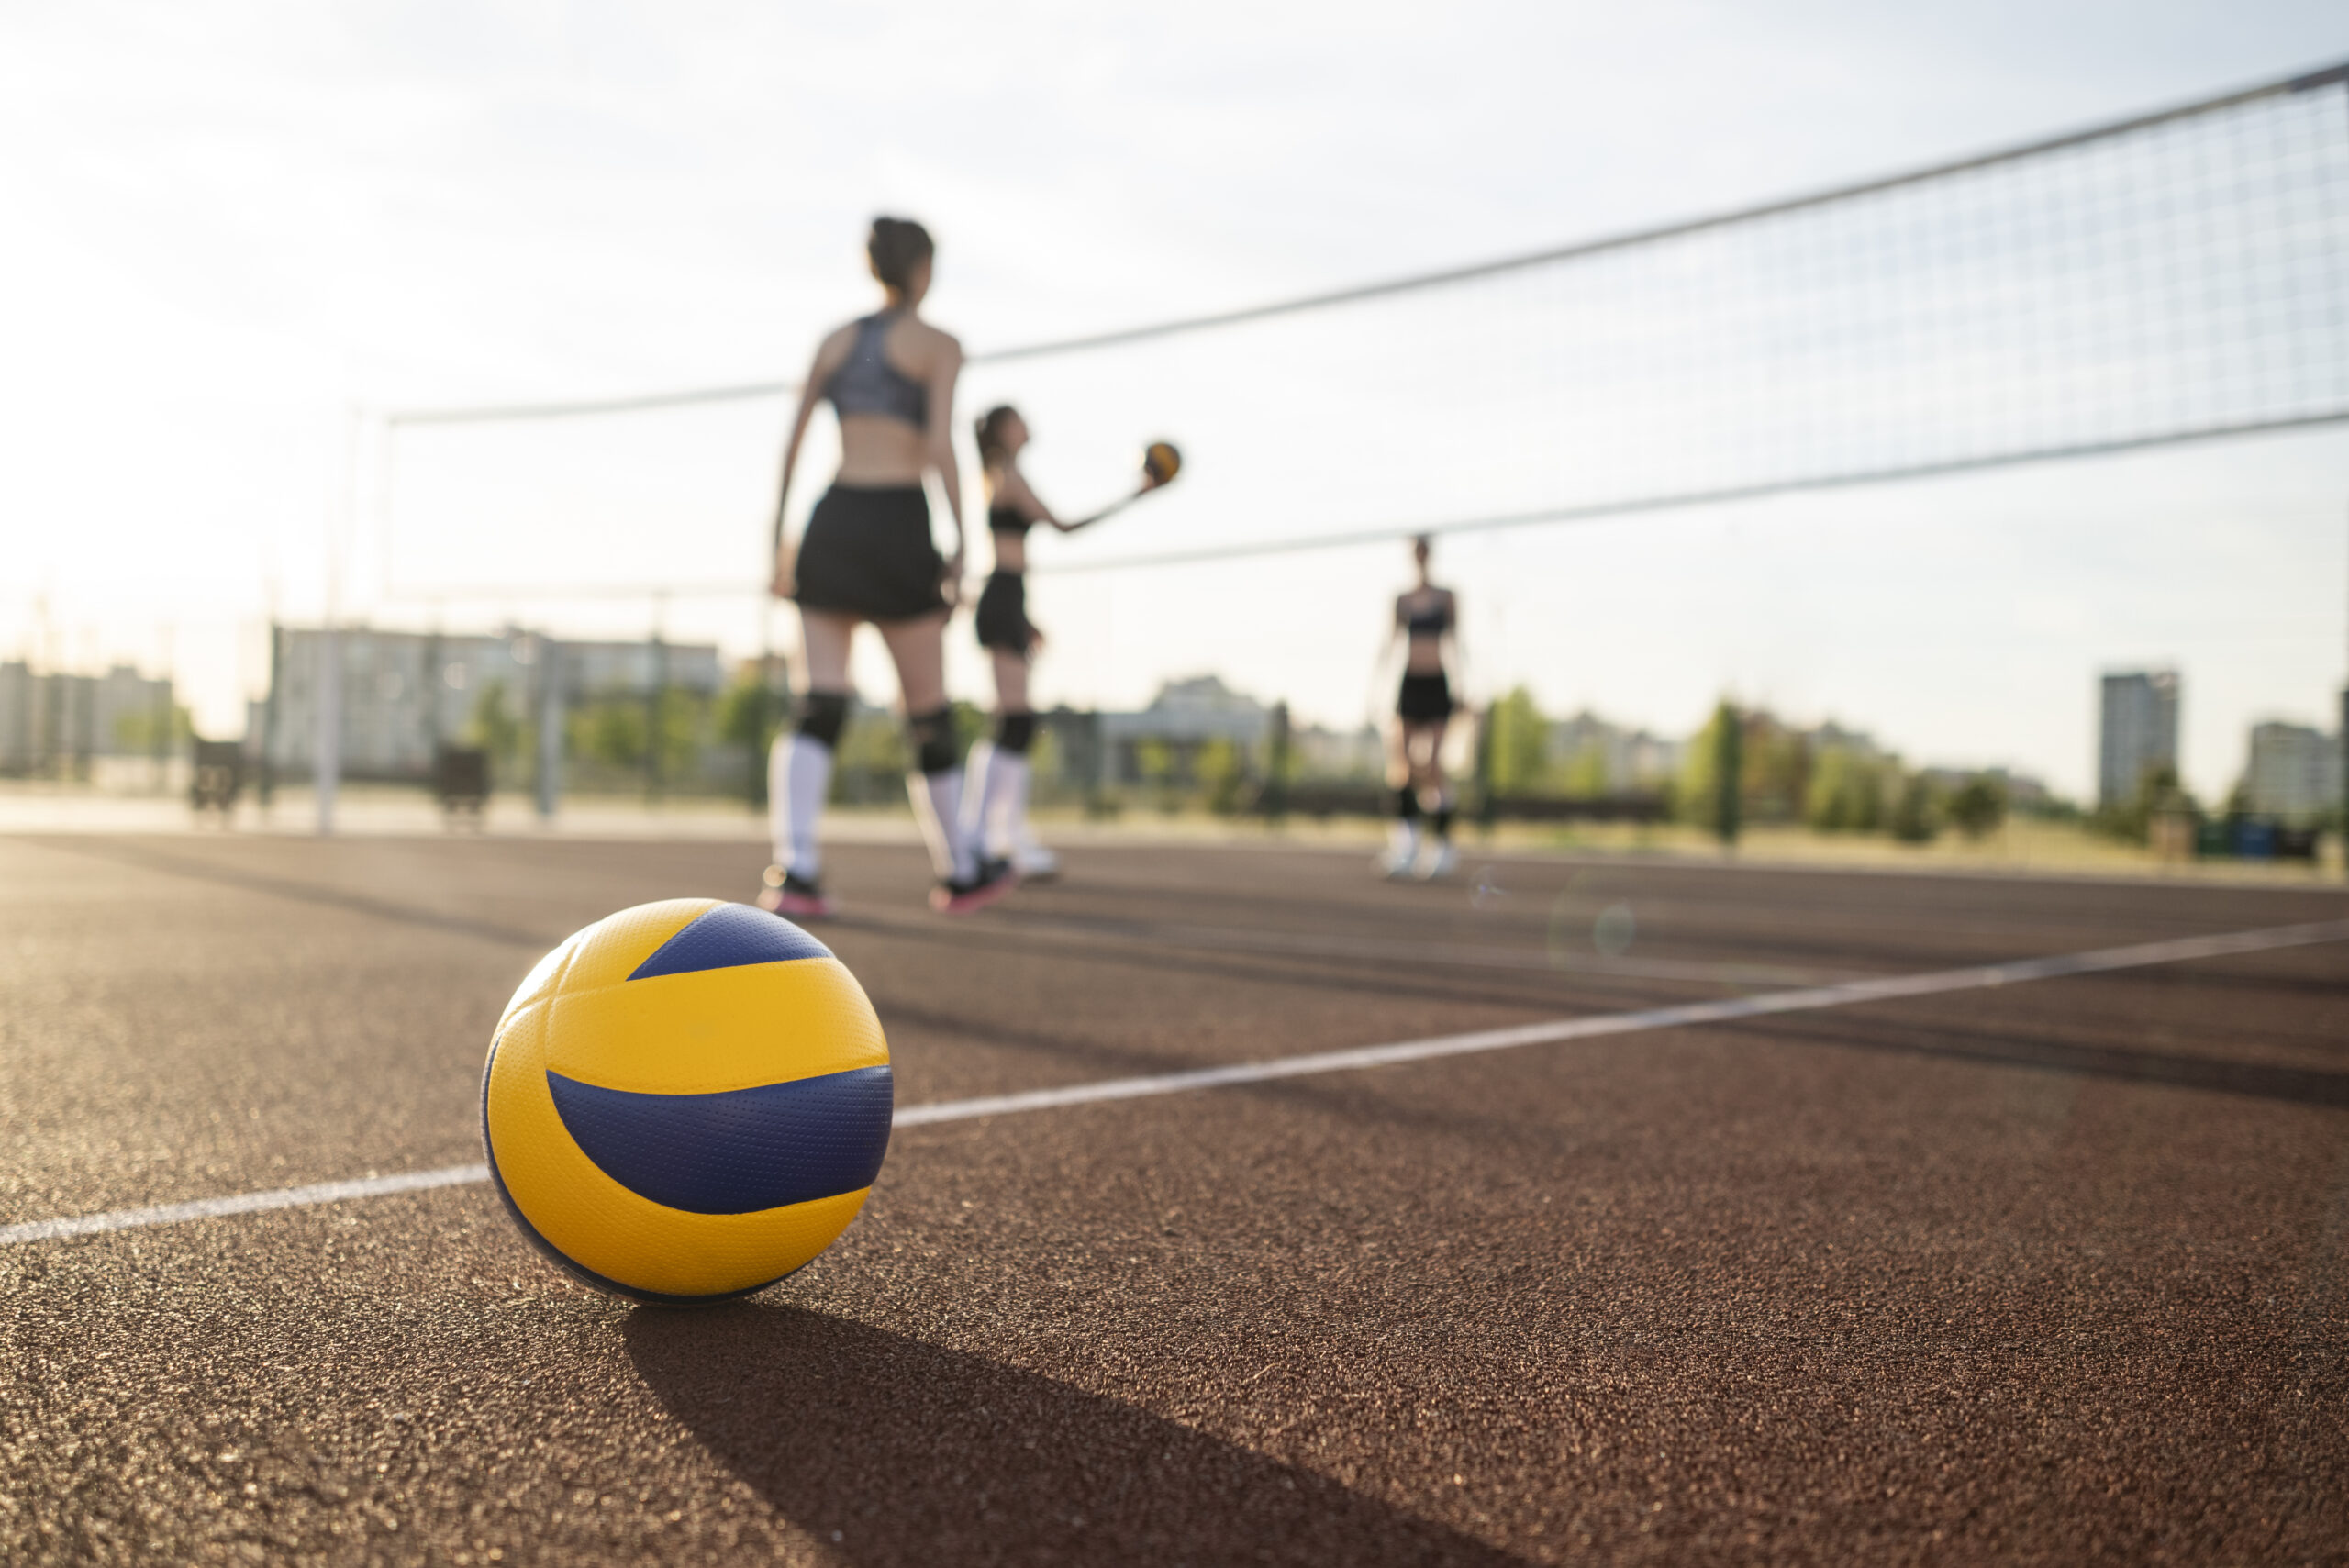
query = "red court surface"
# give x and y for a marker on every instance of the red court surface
(2051, 1271)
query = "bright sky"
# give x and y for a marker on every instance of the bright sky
(229, 221)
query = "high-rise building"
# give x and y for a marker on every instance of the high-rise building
(2294, 774)
(2137, 732)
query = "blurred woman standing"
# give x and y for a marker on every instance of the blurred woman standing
(867, 555)
(995, 793)
(1426, 622)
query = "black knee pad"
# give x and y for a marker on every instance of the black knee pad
(1015, 732)
(932, 735)
(821, 714)
(1407, 803)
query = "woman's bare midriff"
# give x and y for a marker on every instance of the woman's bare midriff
(1010, 552)
(876, 451)
(1425, 656)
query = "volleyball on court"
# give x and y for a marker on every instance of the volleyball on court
(686, 1101)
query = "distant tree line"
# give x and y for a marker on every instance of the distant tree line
(1826, 782)
(675, 739)
(701, 744)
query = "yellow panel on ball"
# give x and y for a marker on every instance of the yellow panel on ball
(686, 1101)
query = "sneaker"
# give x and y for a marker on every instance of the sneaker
(1438, 862)
(1034, 861)
(799, 897)
(996, 878)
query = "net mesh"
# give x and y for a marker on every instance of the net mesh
(2177, 281)
(2180, 277)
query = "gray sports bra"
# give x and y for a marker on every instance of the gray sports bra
(867, 383)
(1428, 620)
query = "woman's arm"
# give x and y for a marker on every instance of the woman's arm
(939, 453)
(1111, 510)
(1012, 490)
(1037, 512)
(811, 390)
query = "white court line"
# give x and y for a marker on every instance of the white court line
(1687, 1015)
(243, 1202)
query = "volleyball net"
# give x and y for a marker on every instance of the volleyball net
(2178, 277)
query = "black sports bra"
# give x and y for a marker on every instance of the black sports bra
(1008, 520)
(867, 383)
(1433, 620)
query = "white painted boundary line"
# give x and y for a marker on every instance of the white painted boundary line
(244, 1203)
(1686, 1016)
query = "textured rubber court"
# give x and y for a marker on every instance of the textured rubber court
(2053, 1271)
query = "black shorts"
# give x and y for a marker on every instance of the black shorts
(868, 553)
(1002, 614)
(1424, 699)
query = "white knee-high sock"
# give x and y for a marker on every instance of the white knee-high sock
(799, 774)
(1007, 787)
(979, 765)
(938, 806)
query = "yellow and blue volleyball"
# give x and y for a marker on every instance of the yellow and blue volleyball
(686, 1101)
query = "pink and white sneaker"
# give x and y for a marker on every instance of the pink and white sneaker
(795, 897)
(995, 879)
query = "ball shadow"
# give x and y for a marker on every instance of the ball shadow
(914, 1453)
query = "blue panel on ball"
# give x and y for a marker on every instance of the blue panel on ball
(738, 1152)
(727, 936)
